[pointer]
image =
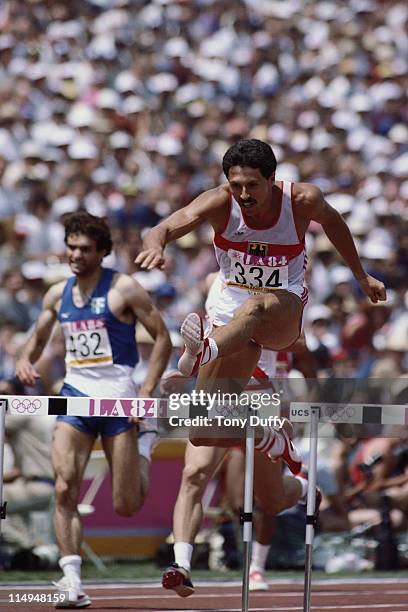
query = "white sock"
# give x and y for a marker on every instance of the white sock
(259, 556)
(304, 484)
(71, 566)
(183, 551)
(146, 444)
(210, 352)
(271, 443)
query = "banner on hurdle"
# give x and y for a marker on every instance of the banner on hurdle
(20, 405)
(373, 414)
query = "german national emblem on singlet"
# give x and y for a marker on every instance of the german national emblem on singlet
(257, 248)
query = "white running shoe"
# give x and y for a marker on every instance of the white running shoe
(257, 581)
(74, 595)
(192, 331)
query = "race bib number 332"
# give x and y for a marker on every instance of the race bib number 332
(258, 273)
(87, 343)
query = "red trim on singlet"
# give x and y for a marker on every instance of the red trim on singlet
(290, 250)
(293, 212)
(228, 216)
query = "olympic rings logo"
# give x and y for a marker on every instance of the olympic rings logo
(343, 413)
(231, 410)
(26, 405)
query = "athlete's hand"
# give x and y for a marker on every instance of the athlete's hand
(173, 382)
(143, 392)
(26, 372)
(151, 258)
(373, 288)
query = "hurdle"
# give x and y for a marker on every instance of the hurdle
(247, 515)
(38, 405)
(300, 412)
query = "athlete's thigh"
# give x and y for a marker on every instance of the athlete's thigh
(122, 454)
(268, 482)
(70, 452)
(229, 373)
(202, 461)
(280, 324)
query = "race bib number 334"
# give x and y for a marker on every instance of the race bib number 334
(258, 273)
(87, 343)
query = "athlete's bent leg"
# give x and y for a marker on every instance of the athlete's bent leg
(228, 375)
(273, 493)
(272, 320)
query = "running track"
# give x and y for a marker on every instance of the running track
(336, 595)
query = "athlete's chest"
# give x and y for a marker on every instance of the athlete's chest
(78, 307)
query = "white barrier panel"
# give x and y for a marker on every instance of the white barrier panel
(23, 405)
(395, 414)
(300, 412)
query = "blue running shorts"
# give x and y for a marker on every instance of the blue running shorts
(103, 426)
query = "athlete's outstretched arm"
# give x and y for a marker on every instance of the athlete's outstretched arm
(31, 352)
(206, 207)
(317, 209)
(140, 302)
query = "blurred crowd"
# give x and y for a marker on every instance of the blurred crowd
(126, 107)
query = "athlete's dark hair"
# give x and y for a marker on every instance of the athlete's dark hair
(253, 153)
(88, 225)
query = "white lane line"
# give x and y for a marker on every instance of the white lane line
(272, 592)
(236, 595)
(215, 583)
(300, 609)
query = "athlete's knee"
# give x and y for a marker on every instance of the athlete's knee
(66, 491)
(194, 478)
(127, 506)
(299, 347)
(253, 307)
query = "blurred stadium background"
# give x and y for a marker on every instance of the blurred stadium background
(125, 108)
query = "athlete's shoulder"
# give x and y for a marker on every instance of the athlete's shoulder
(126, 284)
(214, 198)
(53, 295)
(306, 199)
(306, 193)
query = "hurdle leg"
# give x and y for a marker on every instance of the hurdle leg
(3, 407)
(247, 514)
(311, 505)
